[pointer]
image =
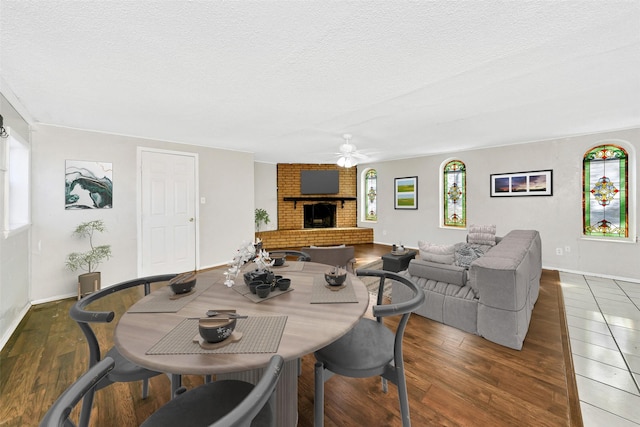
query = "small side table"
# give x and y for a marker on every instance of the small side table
(395, 263)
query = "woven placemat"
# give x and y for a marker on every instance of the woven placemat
(162, 302)
(322, 294)
(260, 334)
(246, 292)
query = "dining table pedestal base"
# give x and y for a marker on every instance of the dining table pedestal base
(286, 390)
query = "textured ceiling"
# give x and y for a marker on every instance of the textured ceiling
(285, 79)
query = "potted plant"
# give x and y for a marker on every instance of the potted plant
(90, 260)
(262, 216)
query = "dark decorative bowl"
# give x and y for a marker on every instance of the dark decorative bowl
(214, 330)
(283, 284)
(253, 285)
(261, 275)
(183, 283)
(263, 290)
(278, 261)
(334, 279)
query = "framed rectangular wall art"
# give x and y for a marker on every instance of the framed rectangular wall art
(532, 183)
(88, 185)
(406, 193)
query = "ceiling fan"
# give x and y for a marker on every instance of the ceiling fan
(348, 153)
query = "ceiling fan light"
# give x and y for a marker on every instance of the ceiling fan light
(347, 150)
(348, 162)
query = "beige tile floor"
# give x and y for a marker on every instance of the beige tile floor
(604, 328)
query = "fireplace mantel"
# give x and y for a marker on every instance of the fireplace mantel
(295, 200)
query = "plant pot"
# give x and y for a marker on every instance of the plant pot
(87, 283)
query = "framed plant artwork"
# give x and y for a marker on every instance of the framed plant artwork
(532, 183)
(406, 193)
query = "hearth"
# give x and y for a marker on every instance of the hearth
(320, 215)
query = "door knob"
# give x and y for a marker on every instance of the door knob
(191, 219)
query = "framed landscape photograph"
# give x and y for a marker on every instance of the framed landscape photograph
(532, 183)
(406, 193)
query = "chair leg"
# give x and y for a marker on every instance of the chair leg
(385, 385)
(145, 388)
(401, 382)
(176, 383)
(318, 400)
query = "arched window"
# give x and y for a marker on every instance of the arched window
(370, 195)
(605, 203)
(455, 194)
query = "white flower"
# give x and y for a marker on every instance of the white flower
(263, 261)
(245, 253)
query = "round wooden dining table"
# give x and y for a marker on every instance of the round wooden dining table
(309, 324)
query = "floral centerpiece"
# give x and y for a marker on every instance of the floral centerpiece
(248, 251)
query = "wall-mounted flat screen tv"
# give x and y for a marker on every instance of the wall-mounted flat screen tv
(319, 182)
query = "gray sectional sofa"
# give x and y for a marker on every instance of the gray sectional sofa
(493, 297)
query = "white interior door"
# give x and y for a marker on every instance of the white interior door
(168, 212)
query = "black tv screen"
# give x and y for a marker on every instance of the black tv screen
(319, 182)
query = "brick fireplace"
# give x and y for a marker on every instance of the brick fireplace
(319, 215)
(292, 205)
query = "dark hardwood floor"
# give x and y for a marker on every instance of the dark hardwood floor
(454, 378)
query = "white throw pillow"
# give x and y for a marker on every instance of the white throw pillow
(442, 254)
(482, 235)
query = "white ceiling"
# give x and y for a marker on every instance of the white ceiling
(285, 79)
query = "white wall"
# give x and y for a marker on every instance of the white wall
(558, 217)
(225, 220)
(14, 250)
(266, 189)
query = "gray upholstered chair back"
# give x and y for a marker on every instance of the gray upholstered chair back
(343, 256)
(224, 403)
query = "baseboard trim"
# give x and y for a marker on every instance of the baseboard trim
(55, 298)
(14, 325)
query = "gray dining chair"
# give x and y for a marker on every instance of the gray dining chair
(58, 414)
(370, 348)
(298, 255)
(343, 256)
(124, 370)
(224, 403)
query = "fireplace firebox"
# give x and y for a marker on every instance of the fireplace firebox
(320, 215)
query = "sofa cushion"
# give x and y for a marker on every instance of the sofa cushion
(482, 234)
(508, 249)
(465, 254)
(439, 272)
(442, 254)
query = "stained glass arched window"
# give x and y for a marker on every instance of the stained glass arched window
(455, 194)
(370, 195)
(605, 204)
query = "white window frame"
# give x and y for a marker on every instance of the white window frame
(363, 186)
(441, 195)
(631, 191)
(15, 165)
